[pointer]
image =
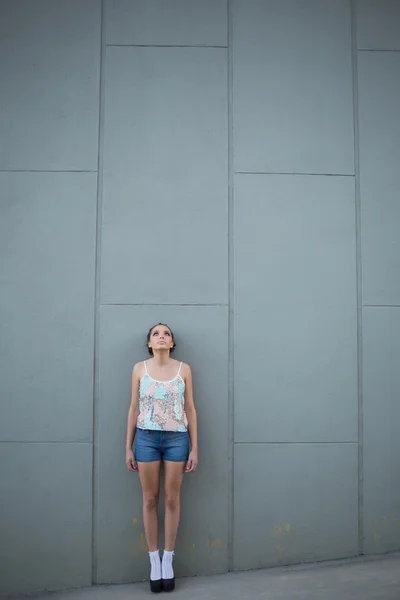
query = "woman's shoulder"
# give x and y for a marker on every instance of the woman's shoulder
(139, 368)
(185, 369)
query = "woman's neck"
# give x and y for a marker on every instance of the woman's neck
(161, 359)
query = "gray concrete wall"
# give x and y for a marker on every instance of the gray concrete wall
(378, 41)
(229, 167)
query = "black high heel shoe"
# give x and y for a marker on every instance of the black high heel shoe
(156, 585)
(168, 585)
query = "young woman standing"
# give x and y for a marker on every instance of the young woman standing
(162, 418)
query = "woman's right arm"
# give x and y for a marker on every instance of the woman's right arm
(133, 414)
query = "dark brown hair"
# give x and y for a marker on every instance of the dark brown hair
(149, 335)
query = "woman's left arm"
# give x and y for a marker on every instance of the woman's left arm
(192, 420)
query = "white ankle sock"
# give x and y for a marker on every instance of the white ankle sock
(166, 565)
(155, 562)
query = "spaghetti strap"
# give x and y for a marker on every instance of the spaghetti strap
(145, 367)
(179, 372)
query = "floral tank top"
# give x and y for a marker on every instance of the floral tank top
(161, 403)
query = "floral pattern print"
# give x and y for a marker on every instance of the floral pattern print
(162, 404)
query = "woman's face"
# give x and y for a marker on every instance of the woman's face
(161, 338)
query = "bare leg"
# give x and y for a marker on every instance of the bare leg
(173, 472)
(149, 473)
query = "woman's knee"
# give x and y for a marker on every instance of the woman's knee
(150, 501)
(171, 500)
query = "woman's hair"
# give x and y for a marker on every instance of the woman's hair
(149, 335)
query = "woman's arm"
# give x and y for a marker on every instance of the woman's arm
(192, 419)
(133, 414)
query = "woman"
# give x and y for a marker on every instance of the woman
(163, 416)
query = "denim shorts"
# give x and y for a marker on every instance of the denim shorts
(152, 445)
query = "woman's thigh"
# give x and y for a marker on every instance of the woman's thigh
(149, 474)
(173, 477)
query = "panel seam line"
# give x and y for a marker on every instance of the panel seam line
(358, 280)
(97, 285)
(231, 333)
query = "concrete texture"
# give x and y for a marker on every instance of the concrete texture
(381, 358)
(274, 529)
(378, 24)
(45, 488)
(292, 86)
(49, 109)
(379, 101)
(154, 22)
(295, 249)
(48, 242)
(168, 190)
(377, 579)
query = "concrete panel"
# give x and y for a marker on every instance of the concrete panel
(381, 376)
(49, 81)
(378, 24)
(165, 224)
(297, 503)
(295, 309)
(47, 244)
(293, 107)
(202, 541)
(172, 23)
(379, 118)
(45, 516)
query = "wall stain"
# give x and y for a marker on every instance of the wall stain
(282, 532)
(281, 550)
(214, 543)
(134, 521)
(283, 528)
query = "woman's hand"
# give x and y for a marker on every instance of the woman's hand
(192, 462)
(130, 461)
